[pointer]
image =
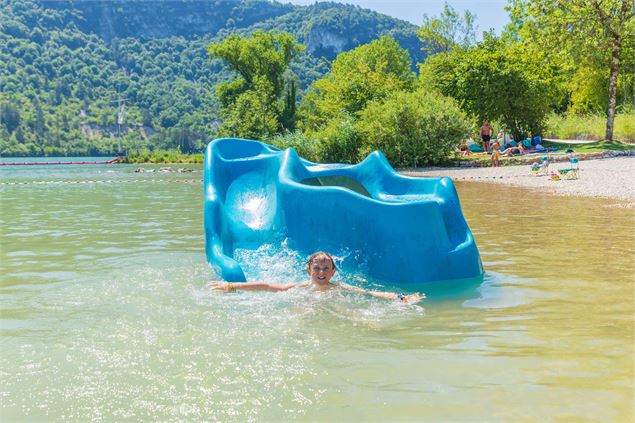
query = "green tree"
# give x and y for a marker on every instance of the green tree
(496, 80)
(255, 113)
(261, 62)
(9, 116)
(448, 31)
(586, 33)
(368, 73)
(288, 117)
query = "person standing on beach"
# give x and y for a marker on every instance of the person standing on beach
(496, 153)
(486, 134)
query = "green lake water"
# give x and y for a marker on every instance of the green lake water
(105, 315)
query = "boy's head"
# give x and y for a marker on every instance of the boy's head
(321, 268)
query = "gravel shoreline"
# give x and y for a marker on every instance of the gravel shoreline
(609, 178)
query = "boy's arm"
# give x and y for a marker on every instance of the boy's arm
(410, 299)
(253, 286)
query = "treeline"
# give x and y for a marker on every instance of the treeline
(371, 99)
(136, 83)
(74, 84)
(65, 92)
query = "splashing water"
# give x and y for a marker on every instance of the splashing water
(279, 264)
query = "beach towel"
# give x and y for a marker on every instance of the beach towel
(541, 149)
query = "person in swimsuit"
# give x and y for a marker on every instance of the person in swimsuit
(464, 150)
(496, 153)
(517, 149)
(486, 135)
(321, 268)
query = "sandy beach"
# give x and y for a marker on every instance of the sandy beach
(609, 178)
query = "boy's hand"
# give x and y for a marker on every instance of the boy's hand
(413, 298)
(223, 286)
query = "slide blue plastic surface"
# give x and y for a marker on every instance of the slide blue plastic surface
(402, 230)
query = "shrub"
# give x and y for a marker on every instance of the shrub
(303, 145)
(413, 129)
(338, 141)
(162, 156)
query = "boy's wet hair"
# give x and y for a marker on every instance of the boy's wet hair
(317, 255)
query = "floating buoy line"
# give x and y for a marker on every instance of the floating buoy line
(467, 178)
(462, 178)
(191, 181)
(112, 161)
(104, 181)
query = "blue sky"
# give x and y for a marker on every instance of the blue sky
(490, 13)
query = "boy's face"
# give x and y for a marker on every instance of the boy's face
(321, 271)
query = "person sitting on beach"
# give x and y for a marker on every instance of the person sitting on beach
(464, 150)
(511, 150)
(500, 138)
(321, 268)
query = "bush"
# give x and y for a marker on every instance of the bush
(303, 145)
(338, 141)
(142, 156)
(413, 129)
(369, 72)
(162, 156)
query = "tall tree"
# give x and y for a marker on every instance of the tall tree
(9, 117)
(497, 80)
(260, 62)
(585, 31)
(366, 73)
(448, 31)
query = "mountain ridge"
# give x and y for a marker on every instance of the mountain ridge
(63, 66)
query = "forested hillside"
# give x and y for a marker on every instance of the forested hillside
(74, 74)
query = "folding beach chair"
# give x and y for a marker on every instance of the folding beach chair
(572, 171)
(542, 168)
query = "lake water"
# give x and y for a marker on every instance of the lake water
(105, 315)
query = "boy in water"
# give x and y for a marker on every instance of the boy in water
(321, 269)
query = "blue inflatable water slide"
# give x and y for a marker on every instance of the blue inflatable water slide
(402, 230)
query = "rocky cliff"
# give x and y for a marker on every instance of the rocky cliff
(326, 28)
(146, 19)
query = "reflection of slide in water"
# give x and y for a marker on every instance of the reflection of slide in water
(404, 230)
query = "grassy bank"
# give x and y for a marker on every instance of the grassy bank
(593, 147)
(162, 156)
(590, 127)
